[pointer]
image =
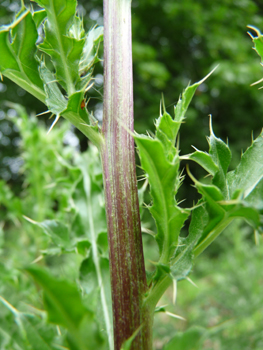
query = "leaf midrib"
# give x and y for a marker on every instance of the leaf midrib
(69, 83)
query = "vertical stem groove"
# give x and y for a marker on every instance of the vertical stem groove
(128, 277)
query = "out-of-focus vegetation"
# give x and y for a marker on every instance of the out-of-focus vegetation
(226, 302)
(173, 42)
(47, 223)
(226, 305)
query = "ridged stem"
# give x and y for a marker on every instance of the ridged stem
(128, 279)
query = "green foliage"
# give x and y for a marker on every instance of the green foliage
(58, 71)
(228, 300)
(32, 333)
(64, 307)
(223, 199)
(18, 61)
(258, 42)
(69, 241)
(190, 340)
(63, 61)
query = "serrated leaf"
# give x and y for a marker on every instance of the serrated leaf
(182, 263)
(221, 156)
(160, 160)
(218, 213)
(17, 59)
(62, 88)
(166, 132)
(249, 172)
(39, 16)
(164, 180)
(71, 108)
(184, 101)
(89, 55)
(55, 100)
(64, 50)
(203, 159)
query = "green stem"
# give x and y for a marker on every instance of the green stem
(212, 236)
(156, 293)
(128, 279)
(96, 260)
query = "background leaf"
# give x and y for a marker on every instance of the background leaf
(189, 340)
(62, 299)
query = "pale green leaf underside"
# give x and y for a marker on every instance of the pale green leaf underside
(249, 172)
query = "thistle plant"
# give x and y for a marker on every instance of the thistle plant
(47, 53)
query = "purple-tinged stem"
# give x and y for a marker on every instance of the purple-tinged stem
(128, 279)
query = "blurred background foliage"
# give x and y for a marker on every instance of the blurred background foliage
(174, 42)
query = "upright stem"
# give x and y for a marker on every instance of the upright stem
(128, 278)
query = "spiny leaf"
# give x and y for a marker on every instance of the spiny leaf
(164, 181)
(17, 59)
(221, 156)
(160, 160)
(55, 100)
(203, 159)
(249, 172)
(184, 101)
(218, 213)
(64, 50)
(39, 16)
(89, 55)
(71, 51)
